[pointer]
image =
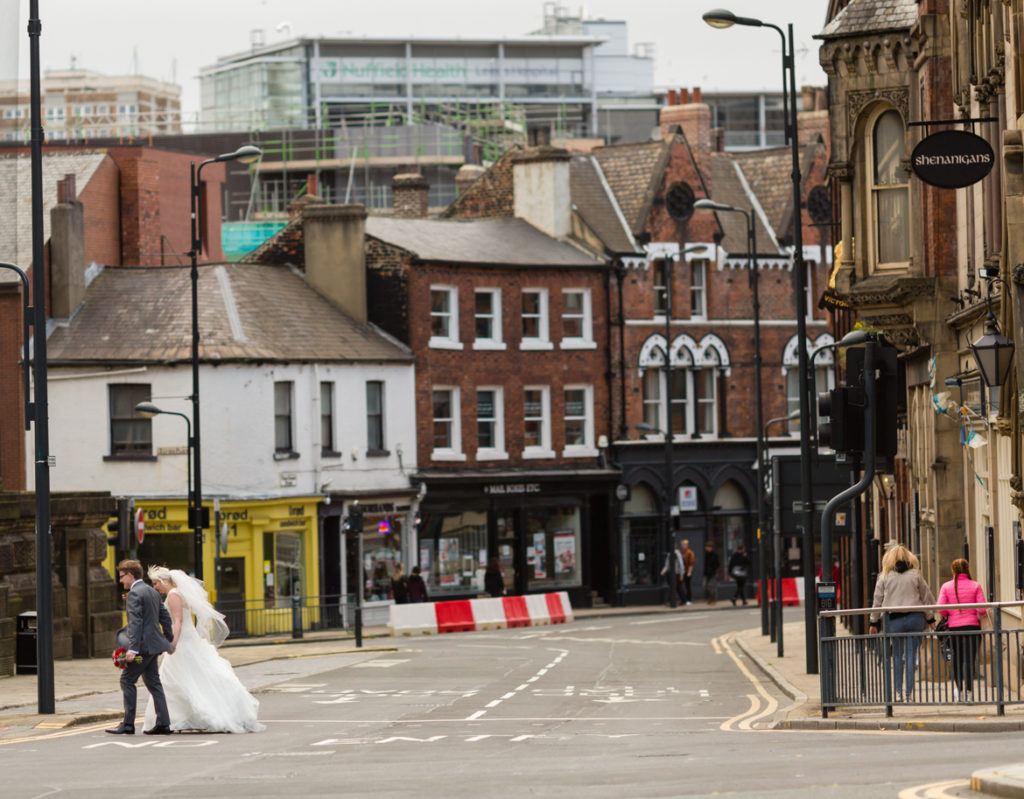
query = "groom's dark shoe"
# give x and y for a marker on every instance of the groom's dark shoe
(158, 729)
(122, 729)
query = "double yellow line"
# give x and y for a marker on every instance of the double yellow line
(761, 704)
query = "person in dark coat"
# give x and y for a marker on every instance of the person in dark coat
(416, 587)
(739, 571)
(399, 585)
(494, 580)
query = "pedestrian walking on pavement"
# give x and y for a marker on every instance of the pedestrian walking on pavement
(711, 566)
(417, 588)
(967, 623)
(739, 570)
(399, 585)
(688, 560)
(148, 633)
(494, 580)
(901, 585)
(678, 572)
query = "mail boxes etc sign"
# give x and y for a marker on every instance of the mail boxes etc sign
(952, 159)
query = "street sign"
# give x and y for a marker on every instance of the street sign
(687, 498)
(140, 524)
(952, 159)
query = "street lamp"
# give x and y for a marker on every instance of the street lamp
(721, 18)
(993, 352)
(246, 155)
(710, 205)
(669, 544)
(149, 410)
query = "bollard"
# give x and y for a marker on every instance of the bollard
(359, 625)
(296, 616)
(997, 652)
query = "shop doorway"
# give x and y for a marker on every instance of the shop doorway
(231, 601)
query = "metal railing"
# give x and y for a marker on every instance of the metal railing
(980, 666)
(292, 615)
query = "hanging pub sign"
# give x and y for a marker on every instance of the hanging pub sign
(952, 159)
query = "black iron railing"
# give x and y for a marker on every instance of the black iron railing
(291, 615)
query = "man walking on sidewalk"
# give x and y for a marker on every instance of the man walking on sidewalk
(711, 564)
(688, 560)
(678, 570)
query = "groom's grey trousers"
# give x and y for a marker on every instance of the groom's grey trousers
(148, 669)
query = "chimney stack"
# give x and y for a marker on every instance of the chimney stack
(67, 251)
(411, 192)
(540, 181)
(335, 262)
(693, 117)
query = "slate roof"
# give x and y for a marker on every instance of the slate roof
(246, 313)
(871, 16)
(477, 241)
(16, 199)
(592, 201)
(634, 172)
(729, 188)
(768, 172)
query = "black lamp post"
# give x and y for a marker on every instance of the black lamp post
(149, 410)
(246, 154)
(667, 433)
(721, 18)
(753, 277)
(993, 353)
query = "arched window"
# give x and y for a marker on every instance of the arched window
(889, 191)
(824, 375)
(696, 369)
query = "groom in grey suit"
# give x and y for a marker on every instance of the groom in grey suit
(149, 632)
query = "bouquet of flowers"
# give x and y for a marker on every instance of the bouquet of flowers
(121, 658)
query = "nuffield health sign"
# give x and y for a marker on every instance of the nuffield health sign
(952, 159)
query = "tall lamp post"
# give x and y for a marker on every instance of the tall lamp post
(667, 433)
(149, 410)
(753, 277)
(246, 155)
(721, 18)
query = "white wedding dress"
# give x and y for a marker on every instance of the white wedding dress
(202, 690)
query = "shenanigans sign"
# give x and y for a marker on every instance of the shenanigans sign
(952, 159)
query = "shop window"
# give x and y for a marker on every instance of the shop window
(131, 435)
(577, 322)
(487, 320)
(375, 418)
(698, 289)
(447, 425)
(537, 422)
(696, 371)
(285, 579)
(552, 547)
(382, 549)
(535, 320)
(578, 416)
(889, 190)
(453, 552)
(328, 446)
(444, 318)
(283, 417)
(490, 424)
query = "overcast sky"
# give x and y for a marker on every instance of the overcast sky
(172, 40)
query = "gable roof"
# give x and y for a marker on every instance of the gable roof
(871, 16)
(730, 186)
(246, 313)
(593, 201)
(633, 172)
(16, 199)
(512, 242)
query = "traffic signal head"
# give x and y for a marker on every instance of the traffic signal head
(122, 528)
(844, 429)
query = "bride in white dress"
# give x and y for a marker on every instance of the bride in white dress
(203, 692)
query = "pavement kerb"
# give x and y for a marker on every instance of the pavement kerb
(1005, 781)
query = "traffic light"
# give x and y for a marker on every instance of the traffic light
(890, 398)
(354, 523)
(843, 431)
(122, 528)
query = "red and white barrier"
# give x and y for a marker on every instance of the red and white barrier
(792, 591)
(462, 615)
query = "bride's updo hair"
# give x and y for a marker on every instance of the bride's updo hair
(160, 573)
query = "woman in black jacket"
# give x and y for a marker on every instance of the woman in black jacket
(739, 571)
(494, 580)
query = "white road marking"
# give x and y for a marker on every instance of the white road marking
(540, 672)
(681, 617)
(378, 664)
(704, 693)
(295, 687)
(475, 716)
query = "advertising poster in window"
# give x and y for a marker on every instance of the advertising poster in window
(448, 560)
(565, 552)
(539, 556)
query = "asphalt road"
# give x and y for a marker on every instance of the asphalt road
(650, 706)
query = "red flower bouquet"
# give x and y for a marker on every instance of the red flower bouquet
(121, 658)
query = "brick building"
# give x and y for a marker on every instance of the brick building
(120, 206)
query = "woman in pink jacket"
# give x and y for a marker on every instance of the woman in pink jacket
(962, 589)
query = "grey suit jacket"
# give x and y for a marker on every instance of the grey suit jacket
(149, 629)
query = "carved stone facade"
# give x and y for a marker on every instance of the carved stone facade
(87, 607)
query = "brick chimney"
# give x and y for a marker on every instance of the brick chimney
(67, 251)
(335, 264)
(310, 197)
(540, 179)
(410, 190)
(693, 117)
